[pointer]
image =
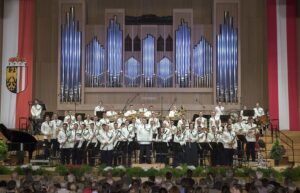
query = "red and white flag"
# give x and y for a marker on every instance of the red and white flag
(282, 63)
(16, 78)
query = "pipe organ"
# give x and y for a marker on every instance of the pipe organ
(70, 64)
(227, 61)
(129, 54)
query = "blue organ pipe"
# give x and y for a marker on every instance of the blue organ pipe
(164, 72)
(132, 72)
(148, 60)
(70, 59)
(227, 61)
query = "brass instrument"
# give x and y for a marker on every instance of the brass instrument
(232, 142)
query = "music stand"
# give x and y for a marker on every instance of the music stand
(43, 106)
(248, 113)
(195, 116)
(49, 114)
(99, 114)
(62, 118)
(224, 118)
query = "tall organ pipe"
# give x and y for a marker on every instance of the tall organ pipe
(148, 61)
(70, 75)
(227, 61)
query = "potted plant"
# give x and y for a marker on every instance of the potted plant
(3, 150)
(277, 152)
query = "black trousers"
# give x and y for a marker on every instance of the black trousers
(191, 154)
(65, 154)
(55, 147)
(161, 149)
(228, 156)
(46, 147)
(107, 157)
(250, 150)
(92, 151)
(145, 153)
(77, 156)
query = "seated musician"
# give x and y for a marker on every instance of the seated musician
(104, 120)
(178, 153)
(121, 119)
(88, 121)
(191, 137)
(201, 121)
(79, 120)
(69, 115)
(106, 138)
(182, 122)
(173, 128)
(97, 122)
(144, 137)
(99, 107)
(230, 144)
(220, 110)
(143, 109)
(130, 112)
(111, 113)
(36, 115)
(65, 138)
(57, 125)
(149, 112)
(258, 111)
(162, 140)
(155, 120)
(240, 129)
(167, 121)
(173, 112)
(245, 118)
(46, 130)
(214, 121)
(251, 131)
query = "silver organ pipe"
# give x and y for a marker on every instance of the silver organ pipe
(148, 61)
(132, 72)
(227, 61)
(94, 64)
(164, 73)
(203, 64)
(114, 54)
(70, 65)
(183, 55)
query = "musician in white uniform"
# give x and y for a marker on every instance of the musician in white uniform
(178, 148)
(251, 130)
(104, 120)
(201, 121)
(88, 121)
(214, 121)
(93, 144)
(46, 130)
(69, 115)
(111, 113)
(216, 153)
(162, 140)
(76, 152)
(173, 112)
(245, 118)
(126, 137)
(144, 137)
(64, 139)
(220, 110)
(202, 138)
(149, 112)
(191, 153)
(99, 108)
(57, 125)
(230, 144)
(36, 115)
(240, 129)
(79, 120)
(143, 109)
(130, 112)
(155, 120)
(258, 111)
(85, 140)
(106, 138)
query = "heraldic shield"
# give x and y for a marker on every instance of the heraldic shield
(16, 76)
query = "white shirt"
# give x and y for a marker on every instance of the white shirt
(129, 113)
(57, 125)
(98, 108)
(65, 139)
(72, 117)
(191, 135)
(166, 136)
(227, 138)
(36, 111)
(219, 110)
(155, 120)
(251, 130)
(213, 120)
(258, 112)
(106, 139)
(144, 134)
(46, 129)
(88, 122)
(148, 114)
(111, 113)
(239, 128)
(203, 122)
(143, 110)
(172, 113)
(179, 139)
(127, 133)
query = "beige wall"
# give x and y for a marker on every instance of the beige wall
(253, 40)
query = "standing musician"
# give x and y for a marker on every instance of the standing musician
(220, 110)
(36, 115)
(201, 121)
(251, 130)
(258, 111)
(79, 120)
(56, 126)
(65, 139)
(173, 128)
(144, 137)
(240, 129)
(214, 121)
(179, 142)
(88, 120)
(155, 120)
(191, 137)
(216, 153)
(99, 107)
(127, 136)
(121, 120)
(182, 122)
(93, 144)
(173, 113)
(97, 123)
(85, 140)
(162, 140)
(46, 130)
(260, 117)
(106, 138)
(76, 152)
(230, 144)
